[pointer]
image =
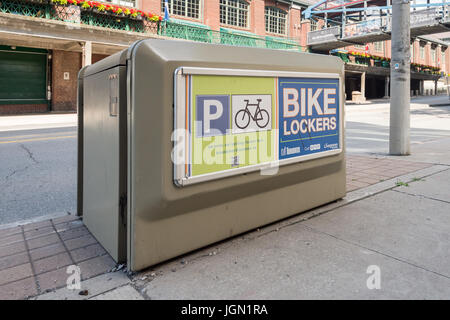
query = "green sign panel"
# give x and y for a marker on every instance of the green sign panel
(234, 122)
(230, 127)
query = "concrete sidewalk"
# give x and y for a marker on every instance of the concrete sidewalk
(323, 253)
(38, 121)
(395, 218)
(405, 231)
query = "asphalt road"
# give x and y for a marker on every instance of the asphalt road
(38, 162)
(37, 173)
(367, 126)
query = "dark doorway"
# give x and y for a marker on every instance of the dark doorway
(415, 86)
(375, 87)
(352, 83)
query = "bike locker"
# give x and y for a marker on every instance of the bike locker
(186, 144)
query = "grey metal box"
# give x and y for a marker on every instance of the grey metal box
(145, 209)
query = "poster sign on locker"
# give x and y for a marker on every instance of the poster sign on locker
(235, 121)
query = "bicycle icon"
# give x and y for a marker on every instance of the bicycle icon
(260, 117)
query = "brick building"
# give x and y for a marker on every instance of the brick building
(430, 66)
(44, 43)
(367, 64)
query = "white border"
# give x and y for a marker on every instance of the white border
(180, 74)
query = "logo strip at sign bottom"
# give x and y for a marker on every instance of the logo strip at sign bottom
(241, 123)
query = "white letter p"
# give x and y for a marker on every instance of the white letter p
(208, 116)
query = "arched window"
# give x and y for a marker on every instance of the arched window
(275, 20)
(184, 8)
(234, 13)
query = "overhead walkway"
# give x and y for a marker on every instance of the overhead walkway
(343, 23)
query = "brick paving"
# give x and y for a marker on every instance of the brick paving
(34, 257)
(363, 171)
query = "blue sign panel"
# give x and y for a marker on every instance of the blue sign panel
(213, 115)
(308, 116)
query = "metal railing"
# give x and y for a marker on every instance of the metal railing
(358, 22)
(204, 34)
(76, 14)
(46, 9)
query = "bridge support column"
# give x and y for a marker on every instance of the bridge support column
(86, 58)
(399, 136)
(386, 87)
(363, 86)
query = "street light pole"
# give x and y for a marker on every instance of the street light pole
(399, 143)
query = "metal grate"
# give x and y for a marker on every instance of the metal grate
(38, 9)
(184, 31)
(225, 36)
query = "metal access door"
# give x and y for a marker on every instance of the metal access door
(23, 76)
(104, 139)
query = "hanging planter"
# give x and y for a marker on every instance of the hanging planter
(377, 63)
(85, 6)
(99, 8)
(361, 60)
(70, 10)
(344, 56)
(137, 14)
(153, 17)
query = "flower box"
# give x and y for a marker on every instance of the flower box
(138, 17)
(96, 10)
(377, 63)
(360, 60)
